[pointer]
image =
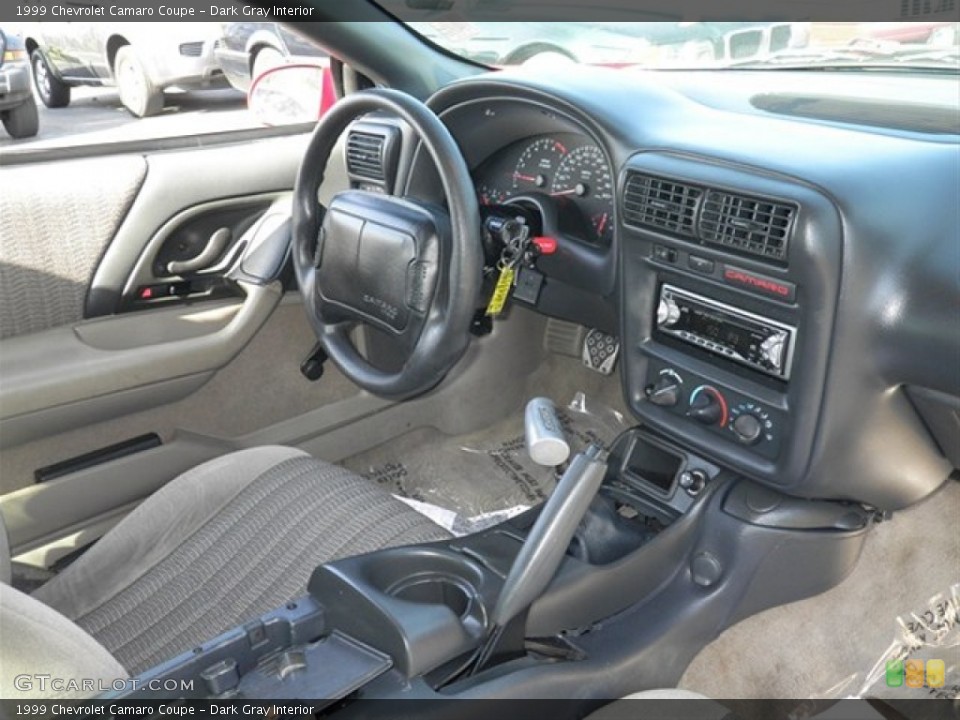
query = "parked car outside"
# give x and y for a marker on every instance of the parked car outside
(932, 33)
(141, 59)
(18, 110)
(246, 50)
(617, 44)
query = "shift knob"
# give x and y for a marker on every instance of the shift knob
(546, 442)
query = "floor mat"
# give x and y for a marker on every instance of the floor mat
(825, 646)
(481, 475)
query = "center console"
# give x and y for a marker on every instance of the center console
(729, 281)
(669, 552)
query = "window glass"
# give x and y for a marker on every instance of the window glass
(89, 83)
(686, 45)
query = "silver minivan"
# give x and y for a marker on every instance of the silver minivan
(141, 59)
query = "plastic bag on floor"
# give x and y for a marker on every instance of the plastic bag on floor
(468, 483)
(923, 661)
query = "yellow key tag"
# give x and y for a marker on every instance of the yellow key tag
(501, 292)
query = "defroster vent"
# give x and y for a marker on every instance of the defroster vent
(748, 224)
(365, 155)
(660, 203)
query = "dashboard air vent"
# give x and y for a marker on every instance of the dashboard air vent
(365, 155)
(660, 203)
(751, 225)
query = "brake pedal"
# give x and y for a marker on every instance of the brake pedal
(600, 352)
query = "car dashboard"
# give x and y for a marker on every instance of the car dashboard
(781, 283)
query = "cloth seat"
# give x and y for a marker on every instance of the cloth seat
(221, 544)
(663, 703)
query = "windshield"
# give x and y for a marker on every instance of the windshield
(697, 45)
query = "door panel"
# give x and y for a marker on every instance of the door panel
(80, 372)
(50, 379)
(77, 375)
(57, 224)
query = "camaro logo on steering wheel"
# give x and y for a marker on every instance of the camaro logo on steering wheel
(390, 311)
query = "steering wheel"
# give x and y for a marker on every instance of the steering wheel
(403, 266)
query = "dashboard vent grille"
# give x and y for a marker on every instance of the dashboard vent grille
(365, 155)
(660, 203)
(751, 225)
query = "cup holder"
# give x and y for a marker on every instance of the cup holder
(434, 589)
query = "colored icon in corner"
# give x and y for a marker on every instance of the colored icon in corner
(894, 673)
(914, 672)
(936, 673)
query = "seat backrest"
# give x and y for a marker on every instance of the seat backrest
(39, 641)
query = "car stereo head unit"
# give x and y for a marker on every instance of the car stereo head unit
(755, 341)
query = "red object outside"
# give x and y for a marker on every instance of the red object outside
(328, 96)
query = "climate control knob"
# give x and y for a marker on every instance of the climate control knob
(665, 392)
(751, 422)
(707, 406)
(748, 428)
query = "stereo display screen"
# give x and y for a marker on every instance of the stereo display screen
(739, 338)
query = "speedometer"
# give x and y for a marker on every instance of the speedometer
(584, 175)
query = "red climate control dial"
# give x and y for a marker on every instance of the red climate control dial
(708, 406)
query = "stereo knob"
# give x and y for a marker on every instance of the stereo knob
(772, 349)
(748, 428)
(705, 407)
(668, 312)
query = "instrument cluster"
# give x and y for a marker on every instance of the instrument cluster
(564, 169)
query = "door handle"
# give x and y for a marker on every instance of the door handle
(212, 250)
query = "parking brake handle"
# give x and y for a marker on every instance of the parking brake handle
(546, 545)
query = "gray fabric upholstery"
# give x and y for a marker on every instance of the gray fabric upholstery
(656, 704)
(156, 528)
(222, 544)
(666, 694)
(37, 639)
(51, 242)
(5, 570)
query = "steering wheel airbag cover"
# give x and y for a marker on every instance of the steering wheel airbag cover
(379, 259)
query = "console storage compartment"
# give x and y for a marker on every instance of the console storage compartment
(421, 605)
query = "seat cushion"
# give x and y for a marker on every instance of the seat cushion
(39, 640)
(662, 703)
(222, 544)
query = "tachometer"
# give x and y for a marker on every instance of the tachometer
(584, 176)
(538, 164)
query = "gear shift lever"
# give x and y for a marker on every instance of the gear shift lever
(546, 545)
(546, 443)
